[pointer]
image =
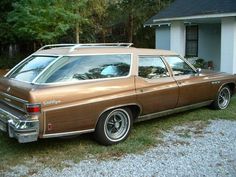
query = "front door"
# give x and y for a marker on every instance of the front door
(194, 87)
(156, 89)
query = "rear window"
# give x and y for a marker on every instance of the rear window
(87, 67)
(31, 68)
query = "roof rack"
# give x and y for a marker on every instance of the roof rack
(127, 45)
(75, 46)
(55, 45)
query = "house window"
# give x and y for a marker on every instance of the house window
(191, 41)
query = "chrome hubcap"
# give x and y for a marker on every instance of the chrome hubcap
(117, 125)
(224, 98)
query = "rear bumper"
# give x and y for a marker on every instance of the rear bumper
(23, 130)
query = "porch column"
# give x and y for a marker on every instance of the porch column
(177, 37)
(228, 45)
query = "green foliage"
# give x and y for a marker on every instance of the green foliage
(47, 21)
(42, 20)
(5, 28)
(200, 63)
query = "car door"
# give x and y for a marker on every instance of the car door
(193, 87)
(156, 89)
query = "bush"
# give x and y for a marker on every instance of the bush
(200, 63)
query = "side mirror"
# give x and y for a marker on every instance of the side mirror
(198, 70)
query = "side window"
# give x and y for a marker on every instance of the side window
(152, 67)
(179, 66)
(87, 67)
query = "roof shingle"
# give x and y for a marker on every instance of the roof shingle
(185, 8)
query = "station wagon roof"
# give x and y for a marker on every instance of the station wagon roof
(101, 50)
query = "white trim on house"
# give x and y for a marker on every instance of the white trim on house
(156, 21)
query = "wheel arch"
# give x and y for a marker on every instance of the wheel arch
(135, 108)
(231, 86)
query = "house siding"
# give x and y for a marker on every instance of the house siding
(228, 45)
(177, 35)
(163, 37)
(209, 43)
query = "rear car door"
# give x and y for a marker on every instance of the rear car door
(156, 89)
(193, 87)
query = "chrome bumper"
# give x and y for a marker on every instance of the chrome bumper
(23, 130)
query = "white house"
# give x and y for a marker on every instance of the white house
(199, 28)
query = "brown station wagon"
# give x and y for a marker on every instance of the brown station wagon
(64, 90)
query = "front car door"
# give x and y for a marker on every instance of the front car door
(193, 87)
(156, 89)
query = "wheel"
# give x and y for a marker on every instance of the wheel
(223, 98)
(114, 126)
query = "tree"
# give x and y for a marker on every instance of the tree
(44, 21)
(100, 16)
(5, 29)
(134, 13)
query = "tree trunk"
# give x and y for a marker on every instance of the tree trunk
(103, 36)
(10, 51)
(35, 46)
(77, 31)
(131, 28)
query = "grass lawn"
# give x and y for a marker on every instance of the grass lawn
(52, 152)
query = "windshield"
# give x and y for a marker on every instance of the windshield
(87, 67)
(31, 68)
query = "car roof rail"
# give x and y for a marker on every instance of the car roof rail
(88, 45)
(97, 45)
(55, 46)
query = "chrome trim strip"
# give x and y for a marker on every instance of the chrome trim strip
(84, 103)
(13, 106)
(54, 135)
(13, 97)
(80, 81)
(172, 111)
(8, 113)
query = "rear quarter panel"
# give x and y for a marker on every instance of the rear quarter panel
(77, 107)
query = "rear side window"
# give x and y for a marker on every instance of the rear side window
(31, 68)
(152, 67)
(87, 67)
(179, 66)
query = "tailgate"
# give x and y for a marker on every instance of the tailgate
(15, 93)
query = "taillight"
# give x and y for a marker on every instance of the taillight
(33, 108)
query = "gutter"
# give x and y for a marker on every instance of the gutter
(163, 20)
